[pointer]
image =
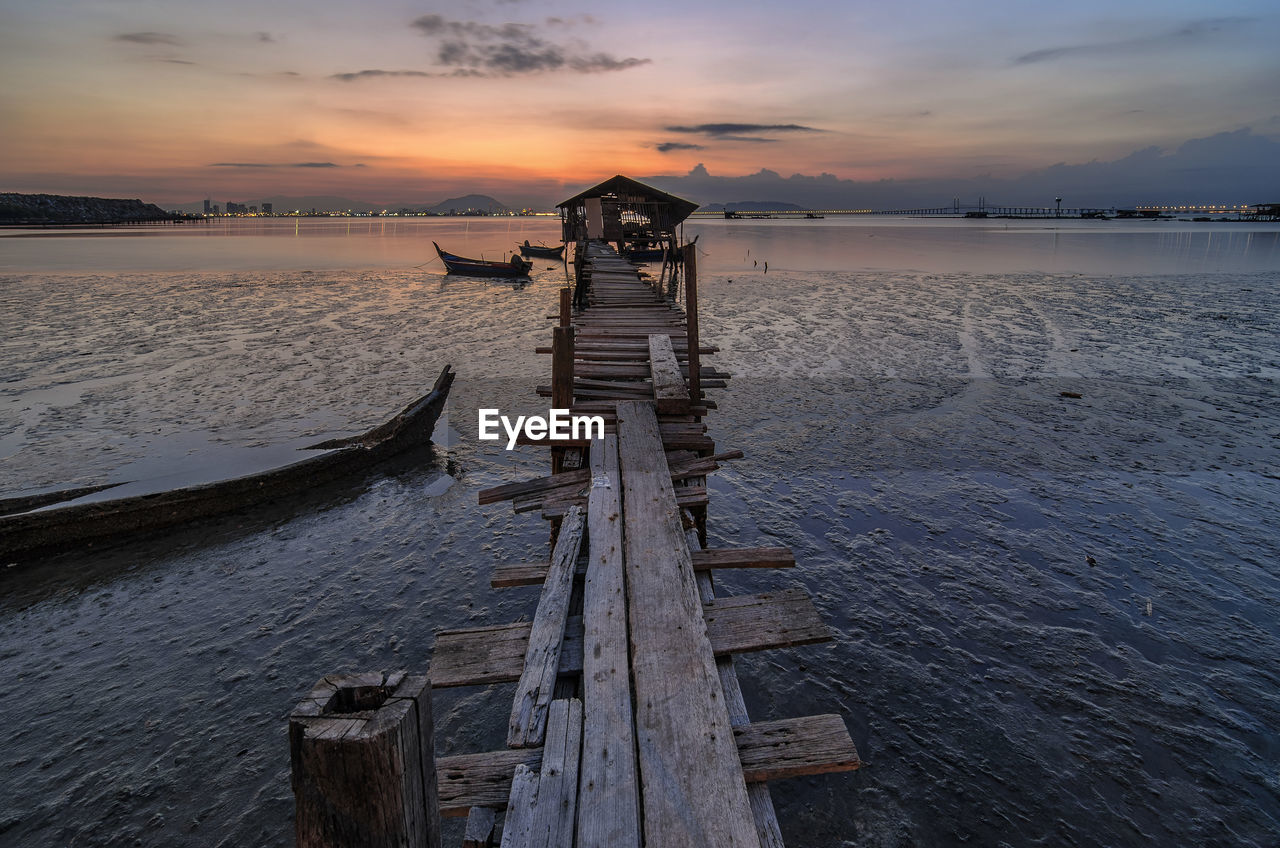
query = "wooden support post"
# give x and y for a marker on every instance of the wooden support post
(362, 752)
(561, 381)
(566, 306)
(691, 320)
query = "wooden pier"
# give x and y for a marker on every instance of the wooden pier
(628, 725)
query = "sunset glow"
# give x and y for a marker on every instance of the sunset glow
(399, 103)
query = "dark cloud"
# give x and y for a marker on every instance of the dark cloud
(352, 76)
(668, 146)
(173, 61)
(314, 165)
(1191, 33)
(512, 49)
(1240, 164)
(265, 37)
(736, 131)
(150, 38)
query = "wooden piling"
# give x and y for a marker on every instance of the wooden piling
(362, 752)
(566, 306)
(691, 320)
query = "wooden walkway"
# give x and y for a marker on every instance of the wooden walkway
(628, 725)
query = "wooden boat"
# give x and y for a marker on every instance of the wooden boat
(77, 518)
(518, 266)
(541, 250)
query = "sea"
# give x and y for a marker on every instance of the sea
(1029, 470)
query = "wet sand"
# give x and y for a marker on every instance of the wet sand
(1054, 617)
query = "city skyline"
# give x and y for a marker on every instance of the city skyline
(407, 104)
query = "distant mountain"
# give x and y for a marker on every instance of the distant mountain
(467, 203)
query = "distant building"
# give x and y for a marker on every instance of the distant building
(207, 207)
(253, 210)
(266, 209)
(217, 210)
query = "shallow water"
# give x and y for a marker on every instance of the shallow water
(1055, 618)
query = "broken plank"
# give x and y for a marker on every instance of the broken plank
(542, 657)
(793, 747)
(522, 809)
(553, 820)
(670, 393)
(743, 558)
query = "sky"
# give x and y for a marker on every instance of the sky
(531, 100)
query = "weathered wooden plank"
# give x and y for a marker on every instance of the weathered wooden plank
(479, 832)
(542, 658)
(479, 655)
(670, 393)
(554, 818)
(533, 573)
(734, 624)
(522, 809)
(777, 619)
(567, 485)
(524, 487)
(693, 791)
(609, 808)
(481, 780)
(770, 750)
(792, 747)
(743, 558)
(686, 496)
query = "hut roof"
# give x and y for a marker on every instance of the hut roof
(632, 190)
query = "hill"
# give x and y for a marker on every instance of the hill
(467, 203)
(63, 209)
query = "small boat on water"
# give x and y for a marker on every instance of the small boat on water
(541, 250)
(518, 266)
(79, 518)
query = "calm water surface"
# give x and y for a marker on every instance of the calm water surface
(1055, 618)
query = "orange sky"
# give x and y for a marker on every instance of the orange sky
(397, 102)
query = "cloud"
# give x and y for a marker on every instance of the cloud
(265, 37)
(1190, 33)
(513, 49)
(150, 38)
(736, 131)
(273, 165)
(352, 76)
(668, 146)
(1235, 167)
